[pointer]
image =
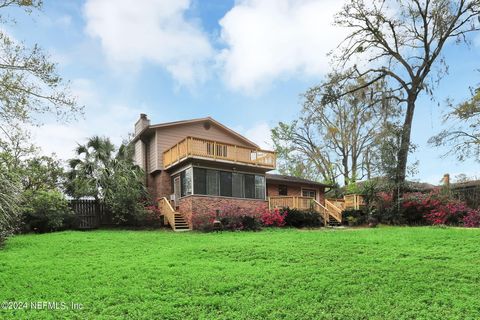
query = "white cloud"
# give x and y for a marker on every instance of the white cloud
(134, 32)
(260, 134)
(84, 90)
(114, 122)
(102, 117)
(270, 39)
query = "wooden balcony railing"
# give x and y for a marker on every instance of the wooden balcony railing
(301, 203)
(192, 147)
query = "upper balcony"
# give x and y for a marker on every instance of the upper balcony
(199, 148)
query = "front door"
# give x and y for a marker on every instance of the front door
(177, 188)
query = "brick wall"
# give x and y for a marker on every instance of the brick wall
(159, 185)
(191, 205)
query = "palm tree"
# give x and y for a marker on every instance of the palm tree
(91, 168)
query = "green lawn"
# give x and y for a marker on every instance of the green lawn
(384, 273)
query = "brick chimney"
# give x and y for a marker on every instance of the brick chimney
(446, 179)
(141, 123)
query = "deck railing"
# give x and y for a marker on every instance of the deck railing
(331, 208)
(334, 209)
(294, 202)
(209, 149)
(167, 211)
(354, 201)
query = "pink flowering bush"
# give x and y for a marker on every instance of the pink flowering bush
(438, 208)
(231, 217)
(472, 219)
(274, 218)
(203, 221)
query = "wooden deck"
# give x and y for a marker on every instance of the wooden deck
(330, 211)
(192, 147)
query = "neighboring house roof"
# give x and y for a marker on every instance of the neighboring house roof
(291, 179)
(465, 184)
(206, 119)
(410, 185)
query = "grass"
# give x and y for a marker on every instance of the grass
(384, 273)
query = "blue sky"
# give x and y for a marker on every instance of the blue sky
(243, 62)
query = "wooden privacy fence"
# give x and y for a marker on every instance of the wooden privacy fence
(90, 214)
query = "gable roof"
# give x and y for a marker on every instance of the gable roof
(197, 120)
(291, 179)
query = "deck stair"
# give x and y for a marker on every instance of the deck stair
(180, 223)
(175, 219)
(331, 210)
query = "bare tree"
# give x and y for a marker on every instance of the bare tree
(401, 42)
(338, 138)
(463, 135)
(299, 153)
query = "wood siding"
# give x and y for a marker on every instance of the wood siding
(153, 154)
(168, 136)
(140, 154)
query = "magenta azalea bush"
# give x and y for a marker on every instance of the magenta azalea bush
(274, 218)
(440, 208)
(472, 219)
(235, 218)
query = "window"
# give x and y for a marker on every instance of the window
(212, 183)
(237, 185)
(259, 187)
(225, 184)
(200, 181)
(249, 181)
(309, 193)
(282, 190)
(186, 182)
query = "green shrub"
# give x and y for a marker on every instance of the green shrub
(46, 211)
(354, 217)
(301, 219)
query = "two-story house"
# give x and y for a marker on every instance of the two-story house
(201, 165)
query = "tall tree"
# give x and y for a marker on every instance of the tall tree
(400, 42)
(29, 81)
(463, 135)
(337, 136)
(29, 86)
(90, 170)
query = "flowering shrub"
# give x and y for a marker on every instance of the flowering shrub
(203, 221)
(451, 213)
(274, 218)
(437, 208)
(472, 219)
(231, 217)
